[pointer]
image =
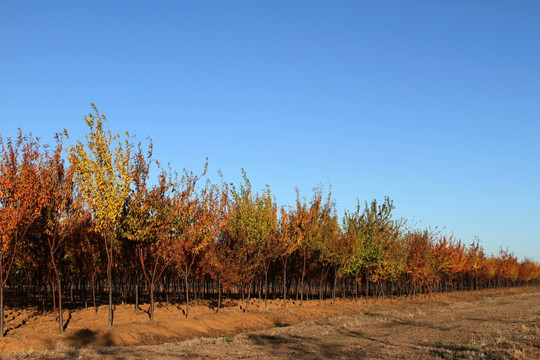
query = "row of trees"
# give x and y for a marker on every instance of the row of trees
(95, 221)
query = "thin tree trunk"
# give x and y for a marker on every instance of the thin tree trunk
(367, 285)
(285, 283)
(94, 292)
(187, 292)
(152, 301)
(321, 287)
(219, 292)
(136, 297)
(58, 280)
(53, 289)
(109, 280)
(266, 289)
(44, 300)
(334, 288)
(249, 296)
(60, 318)
(302, 283)
(356, 288)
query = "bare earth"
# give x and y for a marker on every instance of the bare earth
(490, 324)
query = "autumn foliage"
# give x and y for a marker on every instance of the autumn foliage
(88, 223)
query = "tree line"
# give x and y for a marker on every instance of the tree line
(89, 223)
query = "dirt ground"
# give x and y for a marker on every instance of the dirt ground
(489, 324)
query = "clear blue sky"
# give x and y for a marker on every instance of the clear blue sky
(435, 104)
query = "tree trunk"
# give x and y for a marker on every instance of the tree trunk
(187, 292)
(136, 297)
(302, 283)
(334, 288)
(266, 290)
(109, 280)
(60, 317)
(59, 282)
(367, 285)
(321, 287)
(356, 288)
(219, 292)
(44, 300)
(249, 296)
(71, 290)
(152, 302)
(94, 292)
(53, 289)
(285, 283)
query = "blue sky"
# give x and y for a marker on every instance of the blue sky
(434, 104)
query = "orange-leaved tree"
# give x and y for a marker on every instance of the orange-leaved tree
(57, 190)
(221, 257)
(20, 201)
(196, 224)
(147, 221)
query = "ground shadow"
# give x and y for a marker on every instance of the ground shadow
(87, 337)
(305, 347)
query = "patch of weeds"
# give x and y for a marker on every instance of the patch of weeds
(228, 339)
(439, 343)
(470, 348)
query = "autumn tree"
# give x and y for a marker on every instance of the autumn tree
(57, 190)
(267, 250)
(253, 221)
(103, 177)
(147, 221)
(326, 244)
(369, 229)
(476, 259)
(393, 259)
(85, 250)
(288, 239)
(196, 224)
(309, 226)
(222, 254)
(20, 201)
(420, 267)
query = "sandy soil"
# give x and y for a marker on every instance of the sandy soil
(486, 325)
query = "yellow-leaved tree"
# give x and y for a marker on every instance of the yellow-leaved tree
(103, 177)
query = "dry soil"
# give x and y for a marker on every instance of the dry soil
(491, 324)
